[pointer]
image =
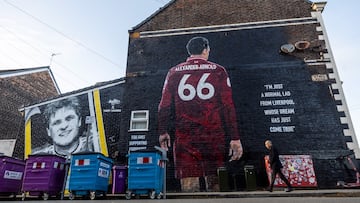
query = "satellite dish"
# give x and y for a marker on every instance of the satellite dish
(301, 45)
(287, 48)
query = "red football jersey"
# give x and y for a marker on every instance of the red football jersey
(202, 96)
(200, 92)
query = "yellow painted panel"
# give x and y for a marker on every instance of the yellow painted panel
(100, 123)
(27, 144)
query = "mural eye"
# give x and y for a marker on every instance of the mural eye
(69, 118)
(57, 122)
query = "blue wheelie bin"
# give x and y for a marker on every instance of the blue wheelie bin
(145, 174)
(89, 174)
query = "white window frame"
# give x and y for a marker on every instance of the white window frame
(146, 119)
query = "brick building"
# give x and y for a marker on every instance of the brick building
(20, 87)
(284, 79)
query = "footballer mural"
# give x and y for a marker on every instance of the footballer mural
(74, 123)
(194, 112)
(63, 120)
(199, 91)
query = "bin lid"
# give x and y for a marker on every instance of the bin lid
(102, 156)
(119, 167)
(249, 167)
(145, 150)
(5, 158)
(45, 154)
(88, 152)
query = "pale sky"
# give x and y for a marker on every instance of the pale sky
(89, 40)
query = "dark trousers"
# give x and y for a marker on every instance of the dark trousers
(281, 175)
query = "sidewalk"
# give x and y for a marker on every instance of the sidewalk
(276, 193)
(248, 194)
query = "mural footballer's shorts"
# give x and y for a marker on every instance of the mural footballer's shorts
(198, 155)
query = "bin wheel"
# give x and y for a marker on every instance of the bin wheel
(71, 196)
(45, 196)
(160, 195)
(92, 195)
(104, 195)
(152, 194)
(128, 195)
(13, 196)
(23, 196)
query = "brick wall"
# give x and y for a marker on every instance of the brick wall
(196, 13)
(16, 92)
(253, 59)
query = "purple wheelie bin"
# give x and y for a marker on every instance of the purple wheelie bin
(44, 176)
(11, 174)
(119, 179)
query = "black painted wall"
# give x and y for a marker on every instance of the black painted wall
(255, 66)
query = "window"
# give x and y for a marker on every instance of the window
(139, 120)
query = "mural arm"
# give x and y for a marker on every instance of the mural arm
(164, 114)
(165, 142)
(229, 115)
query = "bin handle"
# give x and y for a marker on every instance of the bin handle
(82, 169)
(37, 171)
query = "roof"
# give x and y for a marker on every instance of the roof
(25, 71)
(153, 15)
(168, 5)
(99, 85)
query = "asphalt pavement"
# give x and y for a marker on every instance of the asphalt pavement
(258, 194)
(278, 192)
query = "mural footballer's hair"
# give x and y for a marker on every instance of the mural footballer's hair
(71, 102)
(196, 45)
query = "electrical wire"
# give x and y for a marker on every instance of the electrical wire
(68, 69)
(19, 50)
(161, 1)
(64, 35)
(9, 57)
(45, 55)
(22, 40)
(63, 78)
(355, 107)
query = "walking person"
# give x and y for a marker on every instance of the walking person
(276, 166)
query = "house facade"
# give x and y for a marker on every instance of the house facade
(284, 81)
(284, 84)
(18, 88)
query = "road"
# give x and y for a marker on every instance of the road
(278, 196)
(216, 200)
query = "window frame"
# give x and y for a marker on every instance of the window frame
(139, 120)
